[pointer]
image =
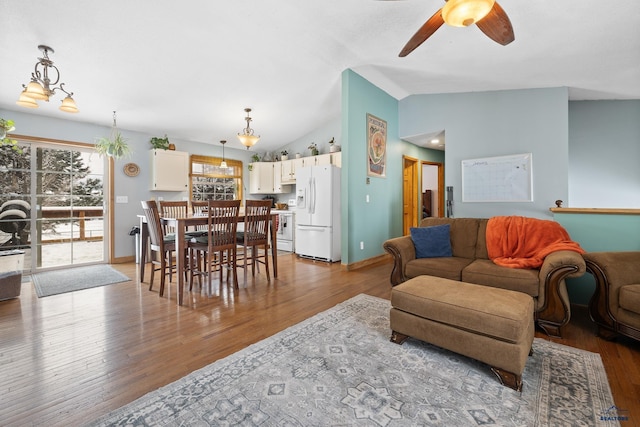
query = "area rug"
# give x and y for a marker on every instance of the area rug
(74, 279)
(339, 368)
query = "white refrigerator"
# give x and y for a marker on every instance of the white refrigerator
(317, 233)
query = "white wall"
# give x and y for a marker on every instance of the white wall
(135, 188)
(488, 124)
(604, 153)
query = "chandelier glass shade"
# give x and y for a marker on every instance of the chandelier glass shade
(43, 83)
(247, 138)
(462, 13)
(223, 163)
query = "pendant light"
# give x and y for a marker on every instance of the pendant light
(223, 164)
(247, 138)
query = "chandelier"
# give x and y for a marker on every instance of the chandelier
(43, 85)
(223, 163)
(247, 138)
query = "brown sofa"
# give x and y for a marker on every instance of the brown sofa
(470, 263)
(615, 305)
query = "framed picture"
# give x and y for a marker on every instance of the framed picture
(376, 146)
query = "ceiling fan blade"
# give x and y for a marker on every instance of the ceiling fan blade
(423, 33)
(497, 26)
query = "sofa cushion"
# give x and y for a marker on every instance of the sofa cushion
(463, 234)
(629, 298)
(449, 268)
(431, 242)
(485, 272)
(481, 246)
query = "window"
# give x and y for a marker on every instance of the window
(210, 182)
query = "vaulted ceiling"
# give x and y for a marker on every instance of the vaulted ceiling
(188, 69)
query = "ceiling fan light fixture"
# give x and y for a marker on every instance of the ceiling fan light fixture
(462, 13)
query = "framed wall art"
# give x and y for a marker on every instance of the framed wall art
(376, 146)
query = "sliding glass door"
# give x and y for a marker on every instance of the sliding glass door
(52, 204)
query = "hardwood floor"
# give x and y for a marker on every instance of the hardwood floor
(68, 359)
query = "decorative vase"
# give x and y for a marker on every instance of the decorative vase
(285, 157)
(172, 147)
(333, 148)
(298, 155)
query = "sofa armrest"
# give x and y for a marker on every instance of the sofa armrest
(403, 251)
(555, 311)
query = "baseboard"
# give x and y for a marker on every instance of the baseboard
(124, 259)
(367, 262)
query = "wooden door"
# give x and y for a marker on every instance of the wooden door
(409, 194)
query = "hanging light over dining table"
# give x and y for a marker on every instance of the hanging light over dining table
(247, 138)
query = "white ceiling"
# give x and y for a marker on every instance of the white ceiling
(188, 69)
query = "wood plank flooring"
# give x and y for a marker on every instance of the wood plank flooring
(68, 359)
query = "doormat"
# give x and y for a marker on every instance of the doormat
(74, 279)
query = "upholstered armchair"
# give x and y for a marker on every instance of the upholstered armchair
(615, 305)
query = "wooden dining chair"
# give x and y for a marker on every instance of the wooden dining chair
(172, 209)
(218, 247)
(255, 237)
(162, 247)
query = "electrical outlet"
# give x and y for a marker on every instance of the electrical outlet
(361, 246)
(367, 198)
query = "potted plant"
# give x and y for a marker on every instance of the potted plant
(284, 154)
(7, 126)
(333, 147)
(116, 146)
(160, 143)
(255, 158)
(314, 149)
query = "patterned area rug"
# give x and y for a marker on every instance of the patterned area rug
(339, 368)
(74, 279)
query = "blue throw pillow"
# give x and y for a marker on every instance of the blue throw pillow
(432, 242)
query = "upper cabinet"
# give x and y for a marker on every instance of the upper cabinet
(169, 170)
(288, 171)
(277, 177)
(266, 178)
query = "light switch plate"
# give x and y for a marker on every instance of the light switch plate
(122, 199)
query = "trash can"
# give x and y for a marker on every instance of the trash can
(135, 231)
(11, 265)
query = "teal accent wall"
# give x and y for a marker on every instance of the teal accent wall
(374, 222)
(598, 233)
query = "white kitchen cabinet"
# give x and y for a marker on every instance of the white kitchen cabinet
(169, 170)
(265, 178)
(336, 159)
(288, 171)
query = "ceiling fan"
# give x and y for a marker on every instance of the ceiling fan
(486, 14)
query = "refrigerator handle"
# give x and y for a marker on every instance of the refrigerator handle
(312, 202)
(309, 196)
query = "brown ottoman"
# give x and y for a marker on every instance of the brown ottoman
(492, 325)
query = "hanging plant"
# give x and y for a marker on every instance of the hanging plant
(7, 126)
(115, 146)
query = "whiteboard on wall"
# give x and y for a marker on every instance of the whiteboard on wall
(498, 179)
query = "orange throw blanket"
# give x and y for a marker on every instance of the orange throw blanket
(519, 242)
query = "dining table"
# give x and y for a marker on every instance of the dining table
(181, 224)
